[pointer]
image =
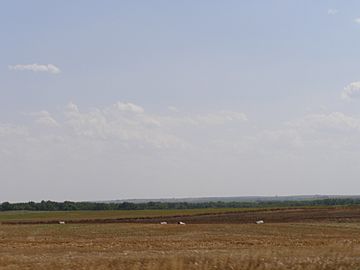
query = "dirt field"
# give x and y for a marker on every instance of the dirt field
(194, 216)
(112, 214)
(200, 246)
(304, 239)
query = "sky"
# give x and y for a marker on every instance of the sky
(104, 100)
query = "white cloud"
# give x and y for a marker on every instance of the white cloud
(122, 122)
(128, 107)
(205, 119)
(309, 136)
(44, 118)
(72, 107)
(332, 11)
(357, 20)
(50, 68)
(351, 91)
(7, 130)
(326, 131)
(128, 125)
(335, 121)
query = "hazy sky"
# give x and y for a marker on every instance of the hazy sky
(146, 99)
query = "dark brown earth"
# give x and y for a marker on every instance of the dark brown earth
(338, 214)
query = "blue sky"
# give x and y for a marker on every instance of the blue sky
(164, 85)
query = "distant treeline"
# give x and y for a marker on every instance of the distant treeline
(71, 206)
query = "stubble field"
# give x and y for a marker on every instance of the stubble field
(323, 244)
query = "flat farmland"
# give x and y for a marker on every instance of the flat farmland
(103, 215)
(190, 216)
(291, 238)
(313, 245)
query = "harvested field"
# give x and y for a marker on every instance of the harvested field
(291, 238)
(197, 246)
(196, 216)
(110, 214)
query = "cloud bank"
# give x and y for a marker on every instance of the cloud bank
(123, 150)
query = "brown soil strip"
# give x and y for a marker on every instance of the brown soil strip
(269, 216)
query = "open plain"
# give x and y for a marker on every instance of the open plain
(330, 242)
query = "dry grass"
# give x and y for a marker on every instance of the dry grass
(207, 246)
